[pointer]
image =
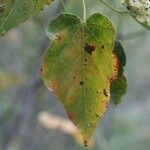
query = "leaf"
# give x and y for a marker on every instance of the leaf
(119, 51)
(119, 86)
(140, 11)
(79, 67)
(118, 89)
(13, 12)
(4, 1)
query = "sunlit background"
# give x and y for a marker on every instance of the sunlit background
(30, 116)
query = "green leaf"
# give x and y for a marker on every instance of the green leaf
(119, 51)
(140, 11)
(119, 86)
(118, 89)
(79, 67)
(4, 1)
(13, 12)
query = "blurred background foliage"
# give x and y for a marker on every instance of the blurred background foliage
(23, 95)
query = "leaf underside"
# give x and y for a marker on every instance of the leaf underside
(79, 67)
(13, 12)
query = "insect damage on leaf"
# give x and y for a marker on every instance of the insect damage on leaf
(140, 10)
(80, 66)
(13, 12)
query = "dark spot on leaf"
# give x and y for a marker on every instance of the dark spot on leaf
(128, 8)
(104, 113)
(116, 66)
(2, 8)
(81, 82)
(85, 143)
(74, 77)
(41, 69)
(89, 48)
(102, 46)
(105, 92)
(97, 115)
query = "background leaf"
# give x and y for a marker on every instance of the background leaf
(13, 12)
(79, 67)
(119, 86)
(140, 11)
(4, 1)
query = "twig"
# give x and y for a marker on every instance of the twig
(114, 9)
(63, 5)
(84, 10)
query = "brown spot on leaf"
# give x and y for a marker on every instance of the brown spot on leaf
(70, 115)
(89, 48)
(105, 92)
(81, 82)
(97, 115)
(53, 86)
(116, 67)
(2, 8)
(58, 37)
(102, 46)
(41, 71)
(104, 113)
(85, 143)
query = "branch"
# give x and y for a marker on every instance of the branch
(53, 122)
(112, 8)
